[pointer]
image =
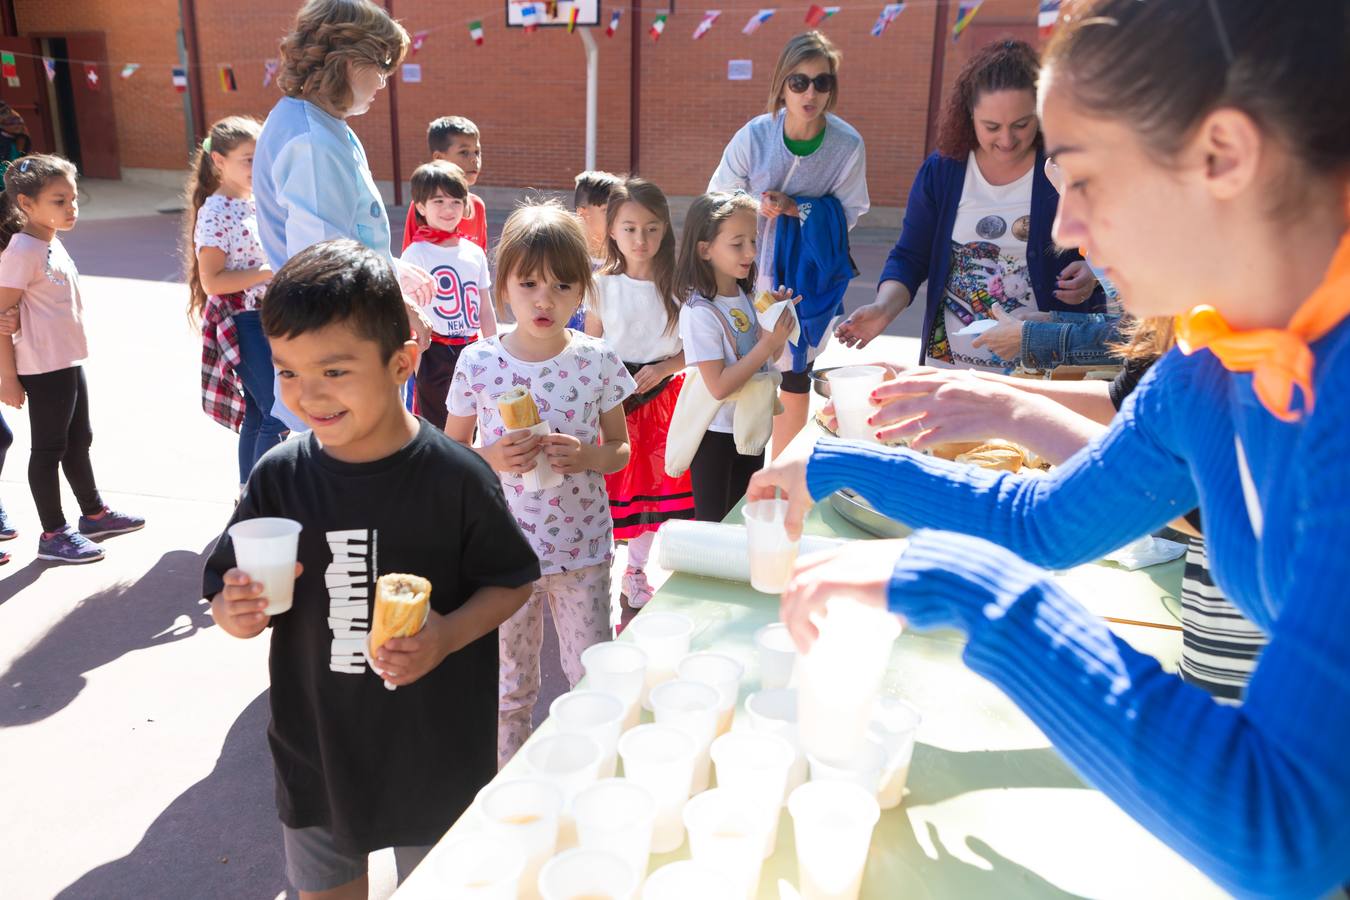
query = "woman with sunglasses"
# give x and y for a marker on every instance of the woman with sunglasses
(977, 230)
(797, 148)
(1213, 189)
(311, 180)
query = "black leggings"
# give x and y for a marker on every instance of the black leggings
(6, 439)
(720, 476)
(58, 413)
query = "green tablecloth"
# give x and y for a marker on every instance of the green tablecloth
(992, 810)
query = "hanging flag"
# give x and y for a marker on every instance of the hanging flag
(91, 76)
(227, 83)
(658, 26)
(964, 13)
(551, 8)
(757, 20)
(889, 13)
(1047, 16)
(270, 70)
(572, 17)
(706, 24)
(529, 17)
(49, 66)
(476, 32)
(613, 25)
(418, 39)
(817, 14)
(9, 69)
(180, 79)
(129, 69)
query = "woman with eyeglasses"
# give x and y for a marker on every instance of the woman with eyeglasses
(311, 180)
(797, 148)
(1214, 189)
(977, 230)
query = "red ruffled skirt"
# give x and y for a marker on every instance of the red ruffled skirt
(642, 495)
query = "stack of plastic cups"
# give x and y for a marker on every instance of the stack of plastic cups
(665, 638)
(692, 708)
(720, 672)
(524, 812)
(755, 765)
(596, 714)
(617, 815)
(895, 723)
(775, 712)
(579, 874)
(618, 668)
(832, 822)
(480, 867)
(839, 678)
(661, 759)
(727, 836)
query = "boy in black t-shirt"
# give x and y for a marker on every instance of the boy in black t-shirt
(377, 490)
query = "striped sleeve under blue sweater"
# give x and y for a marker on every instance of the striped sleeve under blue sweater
(1258, 796)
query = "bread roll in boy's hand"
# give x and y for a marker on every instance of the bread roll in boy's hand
(401, 606)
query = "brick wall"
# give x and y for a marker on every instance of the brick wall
(527, 92)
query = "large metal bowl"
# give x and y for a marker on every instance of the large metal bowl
(820, 381)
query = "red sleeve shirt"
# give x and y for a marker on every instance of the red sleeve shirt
(475, 228)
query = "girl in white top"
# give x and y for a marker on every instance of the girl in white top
(636, 311)
(722, 337)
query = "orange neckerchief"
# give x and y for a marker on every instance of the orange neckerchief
(1280, 358)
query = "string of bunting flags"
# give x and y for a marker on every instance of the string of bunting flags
(532, 16)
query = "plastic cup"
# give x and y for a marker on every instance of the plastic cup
(571, 761)
(832, 822)
(661, 759)
(692, 708)
(775, 712)
(895, 723)
(719, 671)
(864, 770)
(665, 637)
(596, 714)
(839, 678)
(728, 837)
(585, 874)
(755, 765)
(772, 553)
(851, 390)
(684, 879)
(525, 812)
(480, 867)
(777, 656)
(619, 669)
(266, 548)
(617, 815)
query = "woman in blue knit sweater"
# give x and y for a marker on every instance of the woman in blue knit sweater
(1221, 179)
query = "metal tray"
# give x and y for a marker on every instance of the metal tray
(859, 512)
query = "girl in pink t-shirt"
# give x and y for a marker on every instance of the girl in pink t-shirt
(41, 364)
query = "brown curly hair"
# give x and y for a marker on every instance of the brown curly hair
(1001, 66)
(329, 34)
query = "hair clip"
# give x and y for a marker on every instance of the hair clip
(23, 166)
(206, 144)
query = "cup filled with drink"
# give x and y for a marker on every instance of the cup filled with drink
(266, 549)
(772, 553)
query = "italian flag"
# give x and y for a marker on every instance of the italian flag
(658, 26)
(476, 32)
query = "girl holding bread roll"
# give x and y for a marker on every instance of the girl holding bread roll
(543, 373)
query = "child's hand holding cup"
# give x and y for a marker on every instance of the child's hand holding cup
(264, 553)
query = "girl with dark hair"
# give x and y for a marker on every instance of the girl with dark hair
(1214, 190)
(977, 230)
(41, 363)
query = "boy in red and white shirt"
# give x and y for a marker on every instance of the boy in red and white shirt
(462, 309)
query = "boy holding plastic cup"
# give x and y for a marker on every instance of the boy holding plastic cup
(374, 490)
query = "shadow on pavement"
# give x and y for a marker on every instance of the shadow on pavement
(18, 579)
(219, 838)
(159, 608)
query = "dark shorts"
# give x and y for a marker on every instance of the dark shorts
(314, 864)
(798, 382)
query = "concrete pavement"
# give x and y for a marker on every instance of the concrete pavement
(132, 732)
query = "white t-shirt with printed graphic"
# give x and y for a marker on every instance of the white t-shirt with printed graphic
(568, 526)
(705, 339)
(461, 275)
(231, 225)
(989, 261)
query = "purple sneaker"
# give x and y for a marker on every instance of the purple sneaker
(110, 523)
(67, 546)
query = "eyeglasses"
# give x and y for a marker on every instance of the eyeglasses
(798, 83)
(1054, 174)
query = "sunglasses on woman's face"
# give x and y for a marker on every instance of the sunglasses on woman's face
(798, 83)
